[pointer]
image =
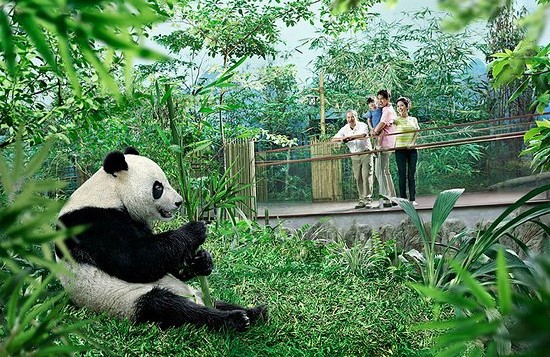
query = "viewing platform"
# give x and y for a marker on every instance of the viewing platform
(471, 208)
(483, 156)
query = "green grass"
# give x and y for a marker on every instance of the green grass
(316, 306)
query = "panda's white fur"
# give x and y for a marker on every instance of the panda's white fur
(91, 287)
(122, 268)
(130, 189)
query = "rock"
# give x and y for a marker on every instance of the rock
(357, 234)
(324, 232)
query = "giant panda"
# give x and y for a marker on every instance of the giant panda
(120, 267)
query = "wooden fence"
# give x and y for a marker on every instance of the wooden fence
(239, 156)
(326, 176)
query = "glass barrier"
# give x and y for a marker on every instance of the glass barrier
(479, 156)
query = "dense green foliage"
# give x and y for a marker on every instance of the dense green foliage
(411, 57)
(538, 140)
(501, 303)
(63, 65)
(31, 304)
(496, 318)
(318, 306)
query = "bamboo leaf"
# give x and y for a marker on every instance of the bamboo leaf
(21, 339)
(167, 94)
(103, 72)
(237, 64)
(40, 308)
(6, 177)
(33, 298)
(11, 308)
(519, 90)
(46, 186)
(503, 285)
(38, 159)
(38, 38)
(453, 350)
(468, 333)
(60, 350)
(451, 324)
(6, 41)
(19, 157)
(65, 53)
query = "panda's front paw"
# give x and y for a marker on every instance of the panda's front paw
(238, 320)
(202, 263)
(195, 232)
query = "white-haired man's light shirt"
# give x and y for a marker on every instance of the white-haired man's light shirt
(357, 145)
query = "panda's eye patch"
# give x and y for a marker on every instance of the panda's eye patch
(158, 189)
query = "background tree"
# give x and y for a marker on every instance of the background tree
(233, 29)
(414, 58)
(272, 100)
(505, 32)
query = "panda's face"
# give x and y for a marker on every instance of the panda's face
(145, 191)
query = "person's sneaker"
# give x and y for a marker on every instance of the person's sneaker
(360, 205)
(387, 204)
(414, 203)
(377, 204)
(374, 205)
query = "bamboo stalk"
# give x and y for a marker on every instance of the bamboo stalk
(207, 299)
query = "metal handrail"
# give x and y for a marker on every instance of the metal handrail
(452, 126)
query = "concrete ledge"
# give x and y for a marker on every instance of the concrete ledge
(470, 208)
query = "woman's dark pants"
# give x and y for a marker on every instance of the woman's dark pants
(406, 169)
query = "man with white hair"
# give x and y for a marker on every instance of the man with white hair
(355, 135)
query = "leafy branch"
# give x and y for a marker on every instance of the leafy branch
(63, 29)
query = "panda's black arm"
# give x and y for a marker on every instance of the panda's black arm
(159, 254)
(129, 250)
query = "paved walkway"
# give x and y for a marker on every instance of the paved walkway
(470, 207)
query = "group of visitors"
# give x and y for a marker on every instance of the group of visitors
(385, 132)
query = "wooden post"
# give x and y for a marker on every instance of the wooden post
(322, 102)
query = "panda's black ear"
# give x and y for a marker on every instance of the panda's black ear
(131, 150)
(114, 162)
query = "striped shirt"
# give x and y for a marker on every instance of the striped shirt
(407, 126)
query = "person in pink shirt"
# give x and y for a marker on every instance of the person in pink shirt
(386, 143)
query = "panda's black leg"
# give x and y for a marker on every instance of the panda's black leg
(171, 310)
(258, 313)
